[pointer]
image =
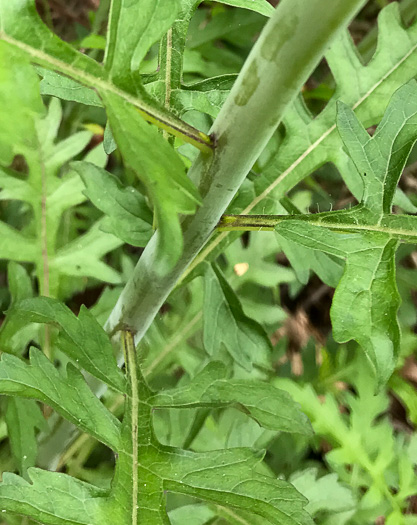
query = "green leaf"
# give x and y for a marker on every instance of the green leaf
(161, 170)
(16, 246)
(270, 407)
(20, 284)
(325, 494)
(23, 417)
(366, 300)
(82, 338)
(69, 396)
(134, 26)
(81, 257)
(74, 502)
(67, 149)
(145, 470)
(259, 6)
(20, 103)
(226, 324)
(15, 334)
(257, 261)
(192, 514)
(93, 41)
(362, 439)
(127, 215)
(65, 88)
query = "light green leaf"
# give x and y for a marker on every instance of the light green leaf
(67, 149)
(69, 396)
(229, 480)
(207, 96)
(161, 170)
(14, 187)
(145, 470)
(127, 215)
(225, 323)
(133, 27)
(44, 48)
(258, 261)
(20, 284)
(57, 85)
(259, 6)
(192, 514)
(20, 104)
(16, 246)
(270, 407)
(362, 439)
(325, 494)
(81, 257)
(16, 17)
(93, 41)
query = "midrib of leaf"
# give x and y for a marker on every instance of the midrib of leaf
(285, 174)
(268, 223)
(45, 288)
(130, 360)
(150, 113)
(168, 70)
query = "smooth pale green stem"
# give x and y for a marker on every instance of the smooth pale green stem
(290, 46)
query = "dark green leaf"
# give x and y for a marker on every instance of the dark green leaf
(69, 396)
(270, 407)
(161, 170)
(225, 323)
(128, 216)
(23, 417)
(82, 338)
(366, 300)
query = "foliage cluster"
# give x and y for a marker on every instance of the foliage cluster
(157, 367)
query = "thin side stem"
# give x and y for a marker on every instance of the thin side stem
(98, 81)
(390, 224)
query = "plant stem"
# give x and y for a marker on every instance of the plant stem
(288, 49)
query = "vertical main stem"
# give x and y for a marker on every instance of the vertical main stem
(290, 46)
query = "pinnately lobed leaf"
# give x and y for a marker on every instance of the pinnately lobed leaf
(366, 299)
(270, 407)
(145, 469)
(82, 338)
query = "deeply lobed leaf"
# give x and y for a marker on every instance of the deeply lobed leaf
(366, 299)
